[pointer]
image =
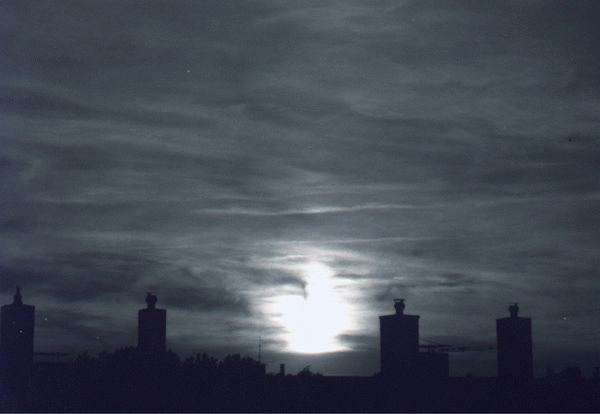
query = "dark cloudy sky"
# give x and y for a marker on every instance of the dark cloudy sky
(218, 152)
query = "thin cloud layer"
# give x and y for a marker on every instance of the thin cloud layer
(442, 152)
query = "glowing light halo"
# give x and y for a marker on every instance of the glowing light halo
(313, 321)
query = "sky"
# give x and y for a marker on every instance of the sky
(281, 171)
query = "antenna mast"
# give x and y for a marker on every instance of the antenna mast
(259, 348)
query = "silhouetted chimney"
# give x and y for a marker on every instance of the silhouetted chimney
(17, 323)
(514, 343)
(152, 327)
(399, 341)
(282, 370)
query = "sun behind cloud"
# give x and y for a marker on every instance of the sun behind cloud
(312, 322)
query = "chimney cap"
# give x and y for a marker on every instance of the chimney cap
(18, 299)
(151, 300)
(399, 306)
(514, 309)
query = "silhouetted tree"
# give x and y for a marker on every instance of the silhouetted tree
(307, 373)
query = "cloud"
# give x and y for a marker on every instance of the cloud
(360, 342)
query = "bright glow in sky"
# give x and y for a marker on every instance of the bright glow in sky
(313, 322)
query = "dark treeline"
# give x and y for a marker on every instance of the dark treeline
(128, 381)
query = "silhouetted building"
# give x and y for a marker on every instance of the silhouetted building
(513, 336)
(399, 340)
(16, 337)
(570, 373)
(152, 328)
(433, 365)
